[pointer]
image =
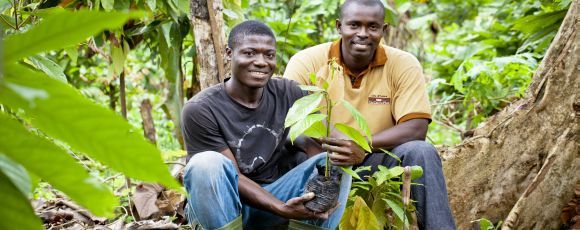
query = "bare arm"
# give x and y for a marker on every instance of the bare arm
(258, 197)
(348, 153)
(305, 144)
(415, 129)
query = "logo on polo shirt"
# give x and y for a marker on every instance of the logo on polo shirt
(379, 100)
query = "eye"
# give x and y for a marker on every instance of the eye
(353, 25)
(249, 53)
(271, 56)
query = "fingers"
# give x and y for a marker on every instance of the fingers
(301, 199)
(335, 149)
(335, 141)
(340, 160)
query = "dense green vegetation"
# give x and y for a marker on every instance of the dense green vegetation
(71, 70)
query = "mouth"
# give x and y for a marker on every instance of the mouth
(259, 74)
(360, 45)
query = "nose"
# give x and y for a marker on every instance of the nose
(363, 32)
(260, 61)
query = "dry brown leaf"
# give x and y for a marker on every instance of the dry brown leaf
(144, 199)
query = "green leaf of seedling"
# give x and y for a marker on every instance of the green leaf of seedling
(61, 30)
(302, 125)
(354, 135)
(361, 217)
(396, 171)
(397, 208)
(16, 212)
(55, 166)
(485, 224)
(325, 84)
(317, 130)
(349, 171)
(63, 113)
(358, 117)
(416, 172)
(302, 107)
(392, 155)
(47, 66)
(310, 88)
(313, 79)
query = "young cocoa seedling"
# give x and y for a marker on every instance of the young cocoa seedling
(312, 116)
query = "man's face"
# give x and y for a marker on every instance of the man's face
(253, 60)
(361, 28)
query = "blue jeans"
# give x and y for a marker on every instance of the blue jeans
(433, 210)
(211, 181)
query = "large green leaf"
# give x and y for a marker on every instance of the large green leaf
(358, 117)
(355, 135)
(16, 212)
(55, 166)
(17, 174)
(302, 125)
(63, 113)
(302, 107)
(61, 30)
(49, 67)
(359, 216)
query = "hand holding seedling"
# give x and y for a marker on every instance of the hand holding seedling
(344, 152)
(295, 208)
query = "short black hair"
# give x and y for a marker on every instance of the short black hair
(246, 28)
(376, 3)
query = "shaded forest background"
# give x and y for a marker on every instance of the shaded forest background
(479, 56)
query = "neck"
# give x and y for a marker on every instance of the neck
(249, 97)
(354, 64)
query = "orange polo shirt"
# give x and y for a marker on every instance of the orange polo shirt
(390, 91)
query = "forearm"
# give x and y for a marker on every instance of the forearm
(256, 196)
(411, 130)
(307, 145)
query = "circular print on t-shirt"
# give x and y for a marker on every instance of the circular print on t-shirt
(255, 147)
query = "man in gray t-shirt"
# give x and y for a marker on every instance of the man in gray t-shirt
(239, 172)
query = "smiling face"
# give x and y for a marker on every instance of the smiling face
(361, 28)
(253, 60)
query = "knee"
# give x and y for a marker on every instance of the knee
(420, 150)
(206, 165)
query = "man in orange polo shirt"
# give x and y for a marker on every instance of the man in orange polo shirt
(388, 87)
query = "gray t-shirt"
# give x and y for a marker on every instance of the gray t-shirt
(213, 121)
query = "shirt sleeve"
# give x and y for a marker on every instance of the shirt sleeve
(200, 130)
(298, 70)
(410, 99)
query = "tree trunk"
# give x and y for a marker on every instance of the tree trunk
(208, 23)
(524, 162)
(148, 125)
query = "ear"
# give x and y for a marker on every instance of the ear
(385, 27)
(229, 53)
(338, 24)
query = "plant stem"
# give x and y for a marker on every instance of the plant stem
(328, 113)
(15, 5)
